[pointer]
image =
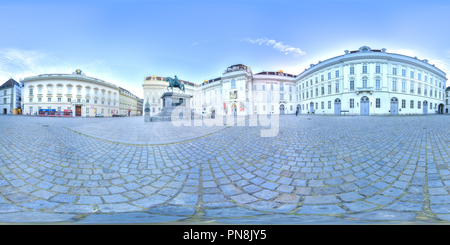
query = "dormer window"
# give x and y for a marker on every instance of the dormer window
(364, 49)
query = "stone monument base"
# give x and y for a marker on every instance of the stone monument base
(176, 106)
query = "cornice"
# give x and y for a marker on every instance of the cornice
(68, 77)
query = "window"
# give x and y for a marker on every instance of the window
(69, 100)
(31, 99)
(403, 73)
(39, 99)
(329, 75)
(377, 82)
(69, 90)
(49, 99)
(377, 69)
(329, 89)
(411, 104)
(337, 87)
(352, 85)
(264, 108)
(322, 105)
(317, 105)
(281, 96)
(419, 89)
(403, 103)
(39, 90)
(352, 103)
(412, 74)
(404, 86)
(78, 100)
(364, 69)
(431, 105)
(87, 101)
(378, 103)
(254, 87)
(290, 88)
(290, 97)
(426, 79)
(49, 107)
(317, 92)
(233, 84)
(281, 87)
(263, 87)
(31, 110)
(411, 88)
(59, 90)
(88, 91)
(418, 104)
(271, 86)
(4, 100)
(109, 103)
(59, 108)
(337, 73)
(431, 80)
(364, 83)
(87, 110)
(394, 85)
(394, 71)
(95, 101)
(316, 79)
(419, 76)
(321, 77)
(31, 93)
(352, 70)
(103, 102)
(329, 104)
(95, 93)
(322, 90)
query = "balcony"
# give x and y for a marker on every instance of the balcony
(359, 90)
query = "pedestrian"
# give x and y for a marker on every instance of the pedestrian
(296, 112)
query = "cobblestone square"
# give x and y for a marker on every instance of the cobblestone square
(374, 169)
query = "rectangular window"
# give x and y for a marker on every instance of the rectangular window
(329, 75)
(322, 105)
(352, 85)
(95, 93)
(39, 99)
(394, 85)
(378, 103)
(95, 101)
(337, 87)
(254, 87)
(411, 88)
(290, 97)
(403, 103)
(59, 108)
(352, 103)
(59, 90)
(103, 102)
(103, 94)
(329, 89)
(49, 99)
(426, 79)
(329, 104)
(403, 87)
(31, 99)
(394, 71)
(352, 70)
(31, 110)
(377, 69)
(281, 87)
(377, 82)
(337, 73)
(322, 90)
(418, 104)
(365, 69)
(364, 83)
(412, 104)
(39, 90)
(88, 91)
(69, 99)
(412, 74)
(31, 93)
(87, 110)
(49, 90)
(403, 73)
(419, 76)
(321, 77)
(87, 101)
(317, 92)
(69, 90)
(263, 87)
(419, 90)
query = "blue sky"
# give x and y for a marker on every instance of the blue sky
(124, 41)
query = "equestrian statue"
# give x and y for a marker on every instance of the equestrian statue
(174, 83)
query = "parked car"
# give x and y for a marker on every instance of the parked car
(99, 115)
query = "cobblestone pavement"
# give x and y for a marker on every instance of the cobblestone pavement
(135, 131)
(318, 169)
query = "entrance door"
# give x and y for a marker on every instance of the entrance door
(5, 111)
(337, 107)
(441, 109)
(394, 106)
(364, 106)
(299, 109)
(281, 109)
(78, 111)
(311, 108)
(234, 109)
(425, 107)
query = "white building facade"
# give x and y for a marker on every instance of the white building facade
(85, 96)
(371, 82)
(10, 97)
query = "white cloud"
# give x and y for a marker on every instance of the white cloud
(277, 45)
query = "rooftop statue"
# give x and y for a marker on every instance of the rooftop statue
(174, 83)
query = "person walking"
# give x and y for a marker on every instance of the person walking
(296, 112)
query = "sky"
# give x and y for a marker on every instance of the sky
(122, 42)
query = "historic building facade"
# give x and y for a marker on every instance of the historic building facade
(128, 102)
(10, 97)
(371, 82)
(85, 96)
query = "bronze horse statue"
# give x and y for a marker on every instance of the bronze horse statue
(174, 83)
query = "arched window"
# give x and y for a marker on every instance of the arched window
(378, 103)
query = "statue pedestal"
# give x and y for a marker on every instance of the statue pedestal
(180, 103)
(147, 112)
(147, 118)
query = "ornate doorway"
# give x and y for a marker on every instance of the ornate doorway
(394, 106)
(78, 111)
(425, 107)
(364, 106)
(337, 107)
(281, 109)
